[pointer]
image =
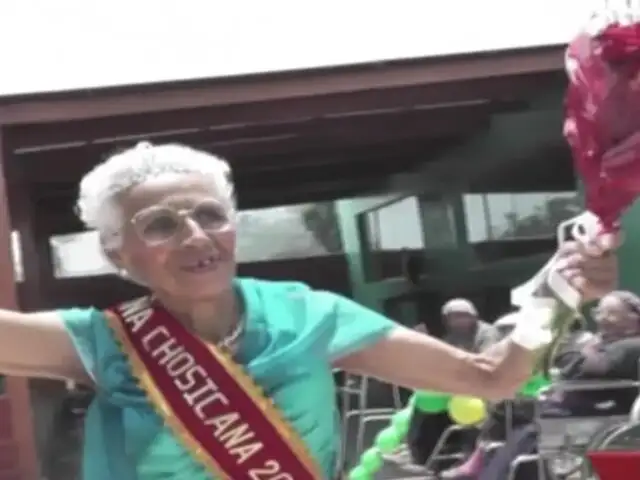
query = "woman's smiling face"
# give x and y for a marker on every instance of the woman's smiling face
(615, 319)
(179, 236)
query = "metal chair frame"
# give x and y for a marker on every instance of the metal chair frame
(579, 434)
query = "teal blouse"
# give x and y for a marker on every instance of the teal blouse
(293, 334)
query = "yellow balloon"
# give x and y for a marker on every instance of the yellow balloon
(467, 410)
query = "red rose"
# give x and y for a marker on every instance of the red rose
(602, 122)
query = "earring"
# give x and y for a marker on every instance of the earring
(123, 273)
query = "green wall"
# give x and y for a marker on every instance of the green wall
(629, 254)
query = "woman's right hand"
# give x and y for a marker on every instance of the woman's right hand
(38, 345)
(592, 267)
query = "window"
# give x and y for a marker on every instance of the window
(438, 222)
(385, 232)
(395, 226)
(297, 231)
(78, 255)
(518, 216)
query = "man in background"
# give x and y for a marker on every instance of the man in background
(466, 330)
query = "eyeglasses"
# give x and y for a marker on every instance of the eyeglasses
(158, 225)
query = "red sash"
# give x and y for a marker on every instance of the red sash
(207, 400)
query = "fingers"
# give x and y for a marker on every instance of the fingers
(609, 242)
(590, 267)
(598, 273)
(598, 247)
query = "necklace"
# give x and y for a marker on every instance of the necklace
(230, 341)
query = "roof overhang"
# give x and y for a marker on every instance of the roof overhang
(319, 126)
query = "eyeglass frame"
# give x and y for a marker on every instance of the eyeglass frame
(182, 214)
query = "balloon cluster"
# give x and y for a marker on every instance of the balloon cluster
(462, 410)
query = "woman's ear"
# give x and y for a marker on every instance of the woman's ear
(112, 254)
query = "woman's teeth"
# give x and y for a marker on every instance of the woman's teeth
(201, 265)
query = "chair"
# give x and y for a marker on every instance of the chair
(401, 458)
(356, 387)
(525, 460)
(437, 455)
(563, 440)
(623, 437)
(489, 448)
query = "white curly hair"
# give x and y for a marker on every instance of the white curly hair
(97, 204)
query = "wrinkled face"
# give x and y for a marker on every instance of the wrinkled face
(614, 318)
(459, 322)
(178, 237)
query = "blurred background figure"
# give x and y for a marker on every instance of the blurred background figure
(464, 328)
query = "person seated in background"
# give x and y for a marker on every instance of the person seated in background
(466, 330)
(612, 353)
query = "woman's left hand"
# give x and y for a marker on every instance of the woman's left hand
(591, 268)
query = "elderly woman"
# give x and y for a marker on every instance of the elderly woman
(214, 376)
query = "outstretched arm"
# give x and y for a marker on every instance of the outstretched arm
(38, 345)
(419, 361)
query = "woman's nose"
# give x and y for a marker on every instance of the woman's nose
(193, 233)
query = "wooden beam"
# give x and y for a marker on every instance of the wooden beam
(69, 165)
(504, 90)
(228, 135)
(17, 388)
(439, 78)
(35, 252)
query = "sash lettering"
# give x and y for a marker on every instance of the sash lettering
(208, 400)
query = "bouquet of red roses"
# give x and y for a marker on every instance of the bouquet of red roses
(602, 127)
(602, 122)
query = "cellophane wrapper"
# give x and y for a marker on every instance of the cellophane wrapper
(602, 121)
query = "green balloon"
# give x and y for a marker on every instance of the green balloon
(430, 402)
(359, 473)
(534, 385)
(388, 440)
(400, 421)
(371, 460)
